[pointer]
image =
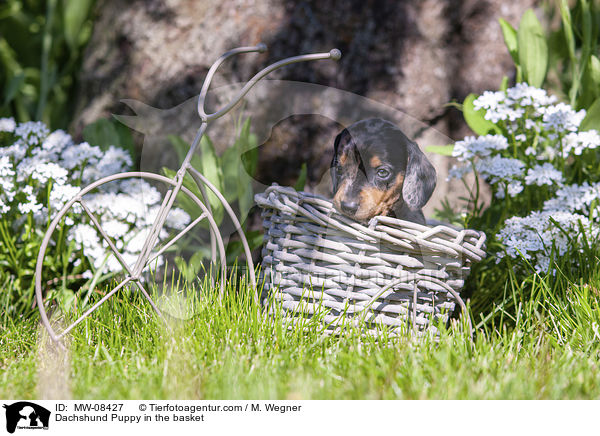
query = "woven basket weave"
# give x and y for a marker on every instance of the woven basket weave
(397, 273)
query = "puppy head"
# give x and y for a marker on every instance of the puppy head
(376, 169)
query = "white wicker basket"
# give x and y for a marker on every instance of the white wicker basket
(397, 273)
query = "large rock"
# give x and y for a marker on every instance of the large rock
(412, 56)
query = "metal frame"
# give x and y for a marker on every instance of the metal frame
(146, 255)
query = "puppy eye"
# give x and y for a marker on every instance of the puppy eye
(383, 173)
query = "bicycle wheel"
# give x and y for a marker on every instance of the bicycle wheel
(106, 213)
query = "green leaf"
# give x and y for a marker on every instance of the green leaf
(592, 118)
(236, 249)
(248, 154)
(299, 186)
(504, 84)
(443, 150)
(245, 197)
(475, 119)
(185, 202)
(565, 15)
(106, 132)
(231, 163)
(533, 49)
(248, 149)
(125, 137)
(210, 167)
(75, 14)
(510, 39)
(594, 72)
(101, 133)
(590, 83)
(195, 263)
(13, 86)
(180, 145)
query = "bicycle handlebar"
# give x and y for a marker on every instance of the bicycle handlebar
(333, 54)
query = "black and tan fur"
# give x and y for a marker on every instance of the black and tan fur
(377, 170)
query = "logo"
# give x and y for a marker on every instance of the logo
(26, 415)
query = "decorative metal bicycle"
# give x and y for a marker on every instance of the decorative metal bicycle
(175, 186)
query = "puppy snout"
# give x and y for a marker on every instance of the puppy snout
(349, 207)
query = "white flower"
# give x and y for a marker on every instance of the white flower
(6, 169)
(113, 264)
(61, 194)
(562, 118)
(498, 168)
(514, 188)
(489, 100)
(4, 208)
(75, 155)
(481, 146)
(16, 151)
(29, 206)
(458, 171)
(535, 236)
(27, 190)
(48, 166)
(527, 95)
(113, 161)
(503, 112)
(139, 188)
(531, 125)
(136, 243)
(543, 264)
(577, 142)
(57, 141)
(32, 131)
(510, 105)
(85, 236)
(7, 125)
(544, 174)
(530, 151)
(574, 198)
(177, 219)
(115, 229)
(41, 171)
(42, 155)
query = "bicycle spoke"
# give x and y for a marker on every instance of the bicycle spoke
(106, 237)
(150, 238)
(152, 243)
(95, 306)
(176, 238)
(161, 217)
(141, 288)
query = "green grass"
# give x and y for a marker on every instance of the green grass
(230, 348)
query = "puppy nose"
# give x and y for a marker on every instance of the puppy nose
(349, 207)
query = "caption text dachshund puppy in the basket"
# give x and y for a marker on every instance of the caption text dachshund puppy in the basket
(377, 170)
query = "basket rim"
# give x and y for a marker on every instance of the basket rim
(379, 228)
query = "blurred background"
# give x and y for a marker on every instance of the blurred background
(70, 63)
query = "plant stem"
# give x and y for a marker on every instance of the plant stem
(46, 46)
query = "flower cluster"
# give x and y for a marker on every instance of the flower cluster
(41, 171)
(533, 133)
(535, 155)
(537, 236)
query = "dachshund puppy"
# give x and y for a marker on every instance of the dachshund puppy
(377, 170)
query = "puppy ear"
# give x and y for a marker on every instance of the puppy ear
(334, 160)
(420, 178)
